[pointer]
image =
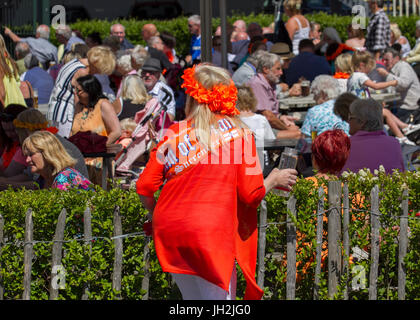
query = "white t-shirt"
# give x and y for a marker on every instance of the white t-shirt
(355, 85)
(262, 130)
(165, 95)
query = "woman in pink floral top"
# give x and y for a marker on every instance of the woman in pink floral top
(46, 156)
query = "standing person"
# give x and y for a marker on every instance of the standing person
(40, 46)
(378, 29)
(119, 31)
(9, 78)
(397, 37)
(200, 249)
(315, 33)
(356, 38)
(65, 36)
(194, 27)
(100, 60)
(297, 26)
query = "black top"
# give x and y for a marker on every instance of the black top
(129, 109)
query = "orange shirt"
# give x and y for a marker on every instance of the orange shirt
(206, 216)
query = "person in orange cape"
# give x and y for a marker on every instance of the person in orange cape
(205, 219)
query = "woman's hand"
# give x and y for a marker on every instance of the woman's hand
(284, 178)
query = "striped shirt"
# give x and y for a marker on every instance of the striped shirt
(61, 105)
(165, 95)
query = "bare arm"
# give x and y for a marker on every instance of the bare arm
(149, 203)
(11, 35)
(291, 27)
(111, 121)
(275, 122)
(380, 85)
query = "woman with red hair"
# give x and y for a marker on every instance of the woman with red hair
(330, 151)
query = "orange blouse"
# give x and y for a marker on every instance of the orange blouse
(206, 214)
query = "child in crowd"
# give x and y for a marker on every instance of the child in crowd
(128, 125)
(247, 104)
(359, 83)
(343, 70)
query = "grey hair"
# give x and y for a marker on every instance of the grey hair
(117, 24)
(254, 58)
(392, 51)
(64, 30)
(418, 24)
(153, 40)
(22, 49)
(195, 18)
(124, 62)
(44, 31)
(326, 84)
(267, 60)
(139, 54)
(369, 112)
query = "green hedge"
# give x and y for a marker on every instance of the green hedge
(95, 267)
(178, 27)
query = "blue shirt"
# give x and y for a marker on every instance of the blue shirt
(71, 41)
(308, 65)
(42, 81)
(321, 118)
(195, 48)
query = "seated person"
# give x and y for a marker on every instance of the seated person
(26, 123)
(321, 117)
(263, 84)
(246, 104)
(46, 156)
(370, 146)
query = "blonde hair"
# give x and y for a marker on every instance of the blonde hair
(246, 99)
(343, 62)
(204, 119)
(7, 64)
(128, 124)
(133, 89)
(294, 6)
(395, 30)
(102, 59)
(51, 149)
(365, 57)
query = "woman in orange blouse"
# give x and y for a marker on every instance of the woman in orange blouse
(93, 112)
(206, 215)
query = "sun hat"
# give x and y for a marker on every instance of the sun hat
(282, 49)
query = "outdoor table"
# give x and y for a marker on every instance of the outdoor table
(106, 165)
(304, 103)
(279, 144)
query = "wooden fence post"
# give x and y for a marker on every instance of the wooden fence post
(1, 249)
(374, 218)
(319, 228)
(261, 243)
(346, 238)
(146, 270)
(87, 230)
(334, 232)
(116, 276)
(27, 255)
(57, 255)
(403, 243)
(291, 250)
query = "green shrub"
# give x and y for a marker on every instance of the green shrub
(92, 267)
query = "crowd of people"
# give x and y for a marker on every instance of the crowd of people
(99, 87)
